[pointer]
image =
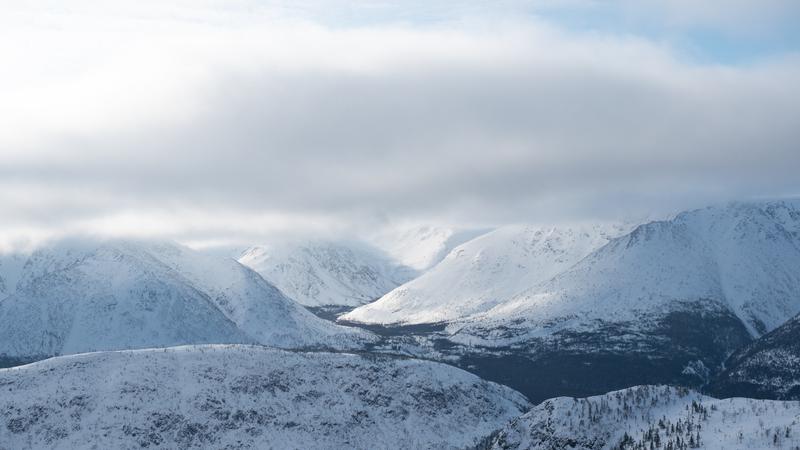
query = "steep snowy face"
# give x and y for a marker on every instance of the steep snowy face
(653, 417)
(257, 307)
(84, 296)
(247, 397)
(422, 247)
(767, 368)
(11, 265)
(326, 273)
(485, 272)
(757, 249)
(742, 258)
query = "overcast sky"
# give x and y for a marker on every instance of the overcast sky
(208, 121)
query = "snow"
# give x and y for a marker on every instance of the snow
(247, 397)
(326, 273)
(485, 272)
(742, 256)
(86, 295)
(11, 268)
(601, 422)
(421, 247)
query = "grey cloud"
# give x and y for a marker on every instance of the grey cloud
(419, 143)
(530, 137)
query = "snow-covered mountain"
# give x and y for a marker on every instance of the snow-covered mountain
(421, 247)
(11, 266)
(741, 258)
(83, 295)
(247, 397)
(326, 273)
(767, 368)
(667, 302)
(485, 272)
(646, 417)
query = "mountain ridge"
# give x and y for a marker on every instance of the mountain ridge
(767, 368)
(237, 396)
(652, 417)
(84, 295)
(319, 273)
(484, 272)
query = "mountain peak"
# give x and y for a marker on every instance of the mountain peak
(81, 295)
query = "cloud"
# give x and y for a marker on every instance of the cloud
(212, 123)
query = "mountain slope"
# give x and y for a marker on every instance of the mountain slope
(247, 397)
(422, 247)
(767, 368)
(485, 272)
(11, 267)
(653, 417)
(320, 274)
(82, 296)
(742, 258)
(665, 303)
(257, 307)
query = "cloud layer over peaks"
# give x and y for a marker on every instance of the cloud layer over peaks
(206, 122)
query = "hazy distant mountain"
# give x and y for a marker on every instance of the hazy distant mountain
(11, 267)
(82, 296)
(646, 417)
(247, 397)
(326, 273)
(485, 272)
(422, 247)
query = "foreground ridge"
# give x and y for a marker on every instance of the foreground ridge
(646, 417)
(239, 396)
